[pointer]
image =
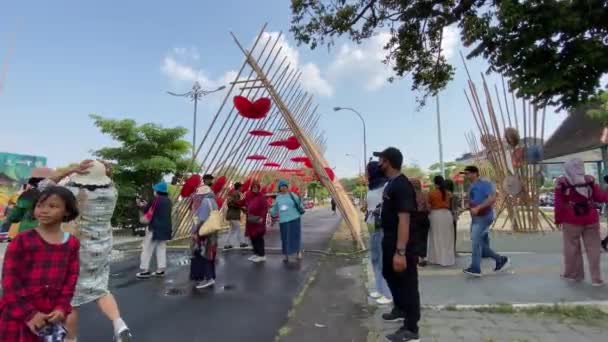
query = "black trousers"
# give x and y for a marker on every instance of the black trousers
(403, 285)
(258, 245)
(420, 231)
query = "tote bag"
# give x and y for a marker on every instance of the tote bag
(212, 224)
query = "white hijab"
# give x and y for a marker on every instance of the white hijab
(575, 173)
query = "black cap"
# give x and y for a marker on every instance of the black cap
(208, 176)
(471, 169)
(392, 155)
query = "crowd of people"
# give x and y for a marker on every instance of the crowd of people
(60, 258)
(410, 228)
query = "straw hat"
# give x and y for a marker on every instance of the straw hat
(96, 175)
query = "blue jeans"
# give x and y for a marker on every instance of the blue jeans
(375, 243)
(481, 243)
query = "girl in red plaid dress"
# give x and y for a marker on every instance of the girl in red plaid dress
(40, 271)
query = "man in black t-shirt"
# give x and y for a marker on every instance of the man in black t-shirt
(399, 259)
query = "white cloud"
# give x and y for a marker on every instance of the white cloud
(363, 62)
(179, 65)
(311, 80)
(450, 41)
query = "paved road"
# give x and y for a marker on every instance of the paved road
(250, 301)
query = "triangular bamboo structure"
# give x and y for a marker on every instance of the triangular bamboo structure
(266, 72)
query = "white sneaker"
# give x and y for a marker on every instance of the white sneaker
(384, 301)
(259, 259)
(375, 295)
(252, 258)
(205, 284)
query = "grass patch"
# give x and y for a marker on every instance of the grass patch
(585, 314)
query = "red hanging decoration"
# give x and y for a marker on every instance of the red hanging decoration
(308, 164)
(292, 143)
(272, 164)
(295, 189)
(255, 110)
(219, 201)
(218, 184)
(330, 174)
(246, 185)
(277, 143)
(190, 185)
(271, 187)
(256, 157)
(300, 159)
(260, 133)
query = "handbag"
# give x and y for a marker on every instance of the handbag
(254, 219)
(146, 217)
(297, 205)
(212, 224)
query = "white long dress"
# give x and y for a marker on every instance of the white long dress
(441, 238)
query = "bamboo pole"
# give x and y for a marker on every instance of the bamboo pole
(341, 199)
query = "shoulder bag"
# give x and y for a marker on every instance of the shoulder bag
(146, 217)
(297, 205)
(213, 223)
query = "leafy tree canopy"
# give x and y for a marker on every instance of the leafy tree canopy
(414, 171)
(599, 107)
(143, 156)
(552, 51)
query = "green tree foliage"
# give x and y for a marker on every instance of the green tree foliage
(451, 169)
(414, 171)
(599, 108)
(143, 156)
(552, 51)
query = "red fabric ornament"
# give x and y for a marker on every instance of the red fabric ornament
(255, 110)
(271, 187)
(260, 133)
(256, 157)
(190, 185)
(292, 143)
(330, 173)
(295, 189)
(302, 159)
(218, 184)
(246, 185)
(272, 164)
(308, 164)
(307, 179)
(219, 201)
(277, 143)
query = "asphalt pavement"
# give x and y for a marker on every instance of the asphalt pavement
(249, 302)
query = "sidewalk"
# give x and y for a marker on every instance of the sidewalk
(461, 308)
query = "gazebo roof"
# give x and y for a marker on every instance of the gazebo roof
(577, 133)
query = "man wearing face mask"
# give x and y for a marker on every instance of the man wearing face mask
(399, 257)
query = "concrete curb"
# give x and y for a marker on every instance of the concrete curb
(600, 304)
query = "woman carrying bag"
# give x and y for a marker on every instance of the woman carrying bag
(288, 207)
(204, 237)
(157, 214)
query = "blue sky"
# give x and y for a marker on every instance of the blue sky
(71, 58)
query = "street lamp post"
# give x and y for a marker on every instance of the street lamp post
(364, 130)
(196, 94)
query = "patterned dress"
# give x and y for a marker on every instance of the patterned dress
(95, 233)
(37, 277)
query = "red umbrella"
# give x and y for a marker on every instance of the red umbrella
(260, 133)
(272, 164)
(302, 159)
(277, 143)
(190, 185)
(218, 184)
(246, 185)
(256, 157)
(255, 110)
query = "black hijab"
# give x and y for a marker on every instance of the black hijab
(375, 176)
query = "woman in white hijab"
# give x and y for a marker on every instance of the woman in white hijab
(576, 198)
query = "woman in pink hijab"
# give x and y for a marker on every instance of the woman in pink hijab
(576, 198)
